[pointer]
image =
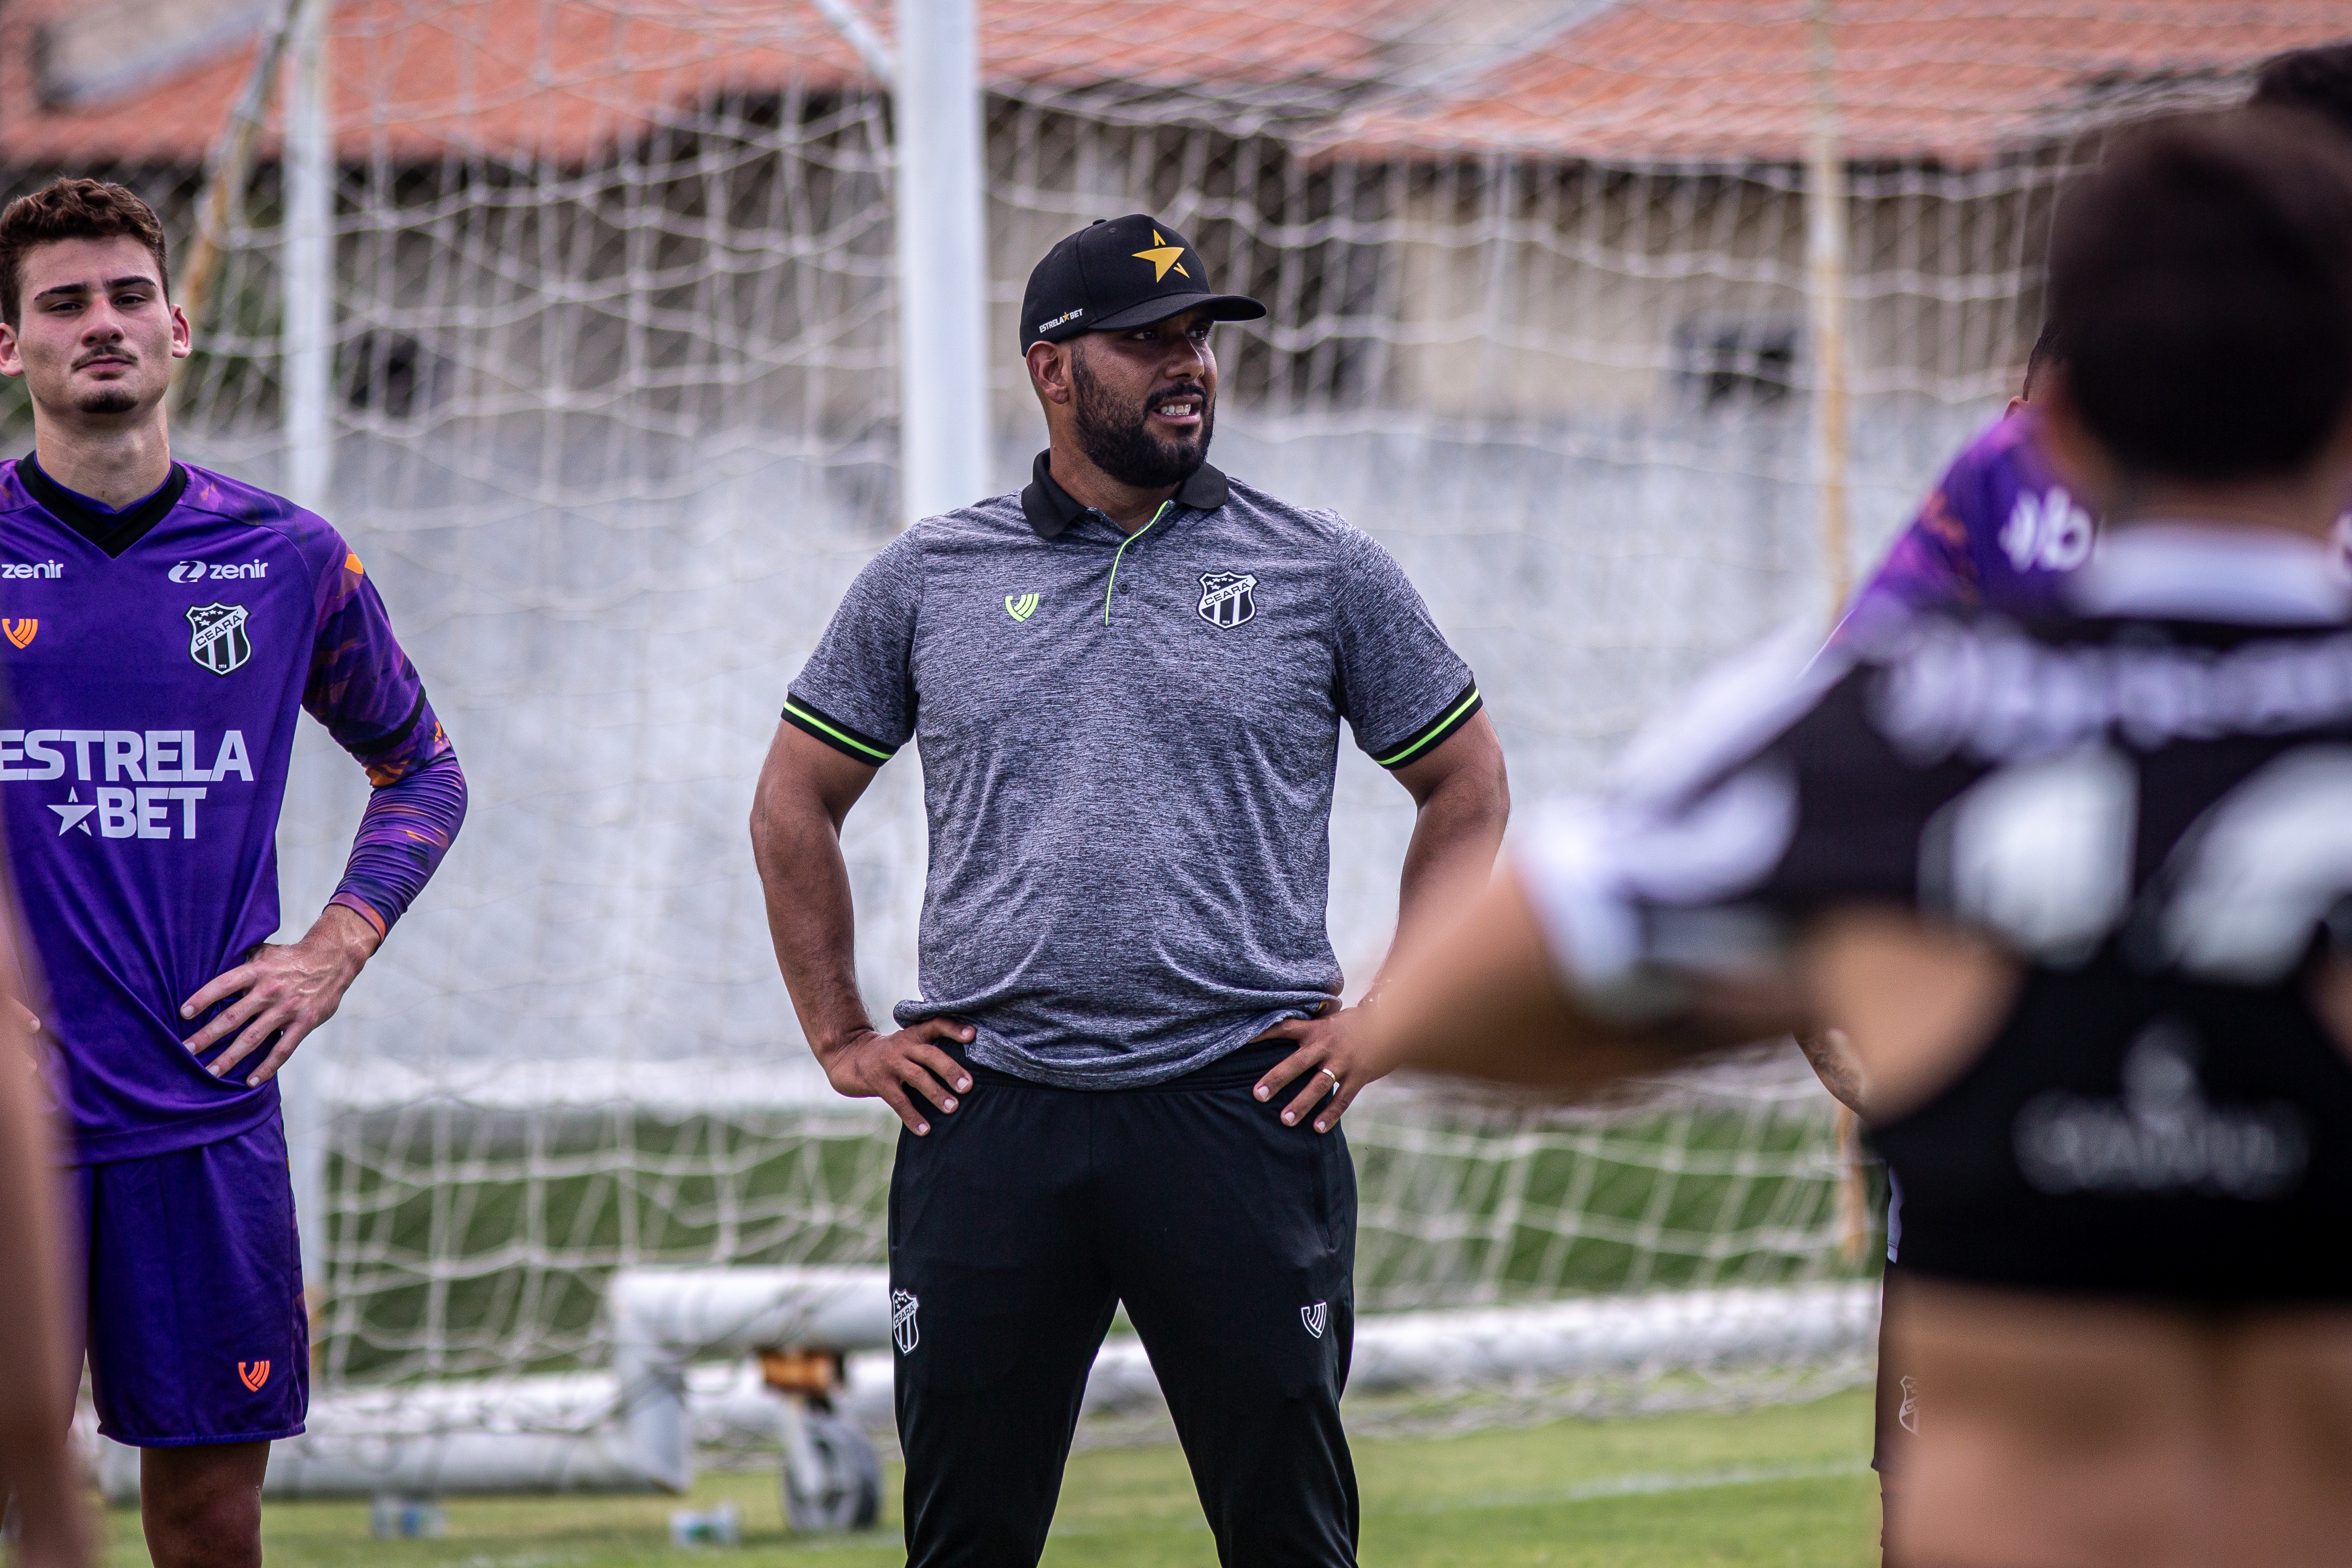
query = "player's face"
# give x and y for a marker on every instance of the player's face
(1146, 398)
(95, 338)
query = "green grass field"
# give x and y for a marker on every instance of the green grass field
(1784, 1486)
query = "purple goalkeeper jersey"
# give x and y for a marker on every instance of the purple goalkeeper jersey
(157, 661)
(1998, 532)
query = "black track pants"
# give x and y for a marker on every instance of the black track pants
(1024, 1219)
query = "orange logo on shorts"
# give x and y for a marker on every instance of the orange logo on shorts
(253, 1374)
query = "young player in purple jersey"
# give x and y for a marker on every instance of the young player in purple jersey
(1999, 531)
(163, 627)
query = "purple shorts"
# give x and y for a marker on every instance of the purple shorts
(197, 1331)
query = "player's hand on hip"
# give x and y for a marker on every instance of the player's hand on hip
(1331, 1057)
(283, 991)
(872, 1066)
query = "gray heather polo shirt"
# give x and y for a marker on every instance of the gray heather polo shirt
(1128, 745)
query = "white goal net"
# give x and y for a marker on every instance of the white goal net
(1632, 329)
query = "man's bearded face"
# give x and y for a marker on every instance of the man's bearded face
(1114, 427)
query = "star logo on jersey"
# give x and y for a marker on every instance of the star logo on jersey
(1316, 1317)
(1227, 598)
(1164, 257)
(216, 636)
(903, 1333)
(253, 1375)
(20, 633)
(73, 814)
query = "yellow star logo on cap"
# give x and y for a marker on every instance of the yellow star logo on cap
(1163, 256)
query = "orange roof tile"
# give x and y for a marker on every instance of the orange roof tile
(563, 78)
(1646, 80)
(1731, 80)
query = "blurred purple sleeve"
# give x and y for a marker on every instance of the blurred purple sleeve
(1997, 534)
(362, 688)
(1928, 568)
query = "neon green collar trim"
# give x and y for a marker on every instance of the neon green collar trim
(1115, 560)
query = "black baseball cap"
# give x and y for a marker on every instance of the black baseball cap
(1121, 272)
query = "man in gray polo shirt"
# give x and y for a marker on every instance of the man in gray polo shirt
(1124, 1078)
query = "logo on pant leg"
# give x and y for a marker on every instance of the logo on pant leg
(1315, 1317)
(253, 1375)
(902, 1321)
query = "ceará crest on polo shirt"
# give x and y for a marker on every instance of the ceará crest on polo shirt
(1227, 598)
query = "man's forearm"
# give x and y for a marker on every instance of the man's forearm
(1456, 833)
(347, 933)
(809, 918)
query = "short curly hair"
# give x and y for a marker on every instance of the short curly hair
(2201, 284)
(74, 208)
(2317, 80)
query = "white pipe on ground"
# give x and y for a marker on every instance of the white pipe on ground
(636, 1427)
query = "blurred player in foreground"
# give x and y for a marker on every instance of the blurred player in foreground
(2069, 892)
(39, 1361)
(2000, 533)
(1124, 1079)
(165, 628)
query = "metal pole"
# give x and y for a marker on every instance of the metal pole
(1826, 265)
(307, 390)
(1825, 295)
(945, 424)
(850, 22)
(310, 277)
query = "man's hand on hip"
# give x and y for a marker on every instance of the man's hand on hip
(1333, 1059)
(287, 991)
(868, 1064)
